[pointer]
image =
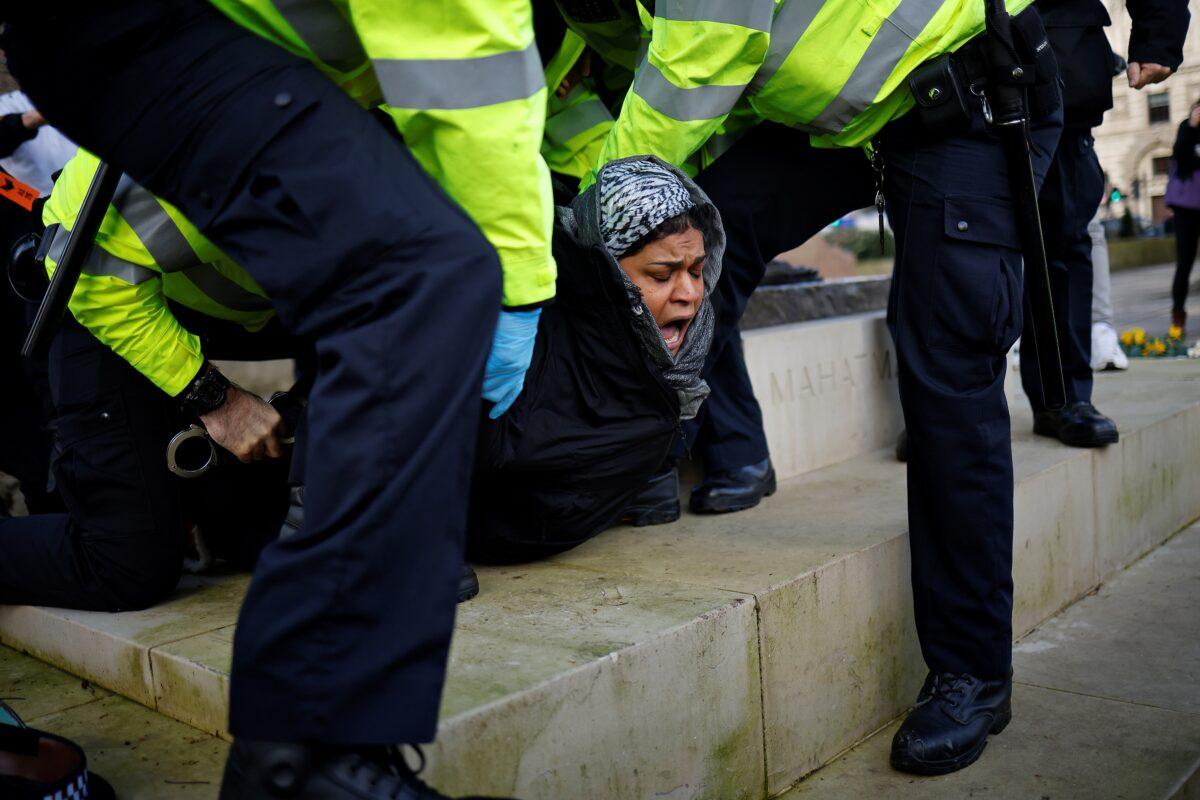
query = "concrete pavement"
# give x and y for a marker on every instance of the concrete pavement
(1106, 704)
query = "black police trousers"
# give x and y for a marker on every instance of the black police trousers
(344, 634)
(120, 545)
(775, 191)
(954, 310)
(1069, 198)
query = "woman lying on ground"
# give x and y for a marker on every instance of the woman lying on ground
(616, 365)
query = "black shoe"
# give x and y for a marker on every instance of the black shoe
(468, 584)
(1077, 425)
(735, 490)
(658, 502)
(950, 725)
(264, 770)
(902, 446)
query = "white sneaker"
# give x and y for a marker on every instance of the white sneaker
(1106, 348)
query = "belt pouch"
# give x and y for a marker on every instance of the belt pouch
(939, 88)
(1033, 46)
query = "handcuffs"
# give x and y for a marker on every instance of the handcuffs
(192, 452)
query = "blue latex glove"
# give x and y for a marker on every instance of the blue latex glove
(512, 350)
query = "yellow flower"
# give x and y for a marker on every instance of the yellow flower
(1127, 338)
(1175, 332)
(1139, 336)
(1157, 347)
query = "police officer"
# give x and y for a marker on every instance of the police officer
(577, 120)
(1075, 185)
(829, 78)
(125, 375)
(342, 642)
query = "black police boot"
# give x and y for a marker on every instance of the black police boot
(735, 490)
(261, 770)
(950, 725)
(658, 502)
(468, 584)
(1077, 425)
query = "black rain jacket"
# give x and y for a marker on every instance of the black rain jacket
(597, 416)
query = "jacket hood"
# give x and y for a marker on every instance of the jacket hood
(682, 372)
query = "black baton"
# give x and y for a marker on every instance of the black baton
(70, 265)
(1007, 101)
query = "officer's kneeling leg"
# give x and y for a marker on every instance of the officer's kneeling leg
(120, 545)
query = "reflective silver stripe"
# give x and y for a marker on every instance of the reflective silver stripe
(791, 22)
(100, 261)
(167, 246)
(456, 83)
(884, 52)
(755, 14)
(700, 102)
(124, 185)
(59, 245)
(569, 123)
(327, 33)
(159, 234)
(718, 145)
(222, 290)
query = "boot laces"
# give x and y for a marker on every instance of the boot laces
(951, 687)
(386, 770)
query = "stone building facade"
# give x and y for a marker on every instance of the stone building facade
(1134, 144)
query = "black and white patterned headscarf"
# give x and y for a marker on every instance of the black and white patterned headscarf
(630, 198)
(635, 198)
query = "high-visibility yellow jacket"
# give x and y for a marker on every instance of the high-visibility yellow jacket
(145, 254)
(576, 125)
(463, 82)
(834, 68)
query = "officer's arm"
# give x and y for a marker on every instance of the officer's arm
(119, 294)
(15, 130)
(577, 127)
(609, 27)
(700, 59)
(1158, 32)
(463, 82)
(133, 320)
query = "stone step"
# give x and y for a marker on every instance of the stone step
(1106, 703)
(828, 389)
(719, 657)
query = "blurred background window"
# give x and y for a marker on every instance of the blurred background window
(1160, 107)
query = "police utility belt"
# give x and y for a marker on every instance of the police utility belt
(950, 88)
